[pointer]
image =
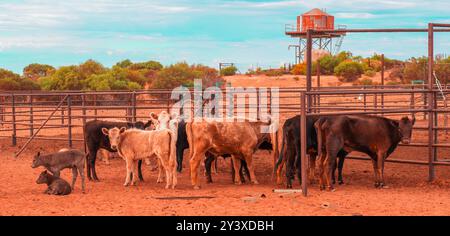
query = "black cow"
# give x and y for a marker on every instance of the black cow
(290, 151)
(375, 136)
(95, 139)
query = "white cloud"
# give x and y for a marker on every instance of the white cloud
(355, 15)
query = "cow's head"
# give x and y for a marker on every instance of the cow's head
(37, 160)
(114, 136)
(154, 120)
(144, 126)
(43, 178)
(405, 126)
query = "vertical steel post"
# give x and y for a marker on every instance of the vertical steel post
(308, 65)
(83, 109)
(31, 115)
(365, 99)
(318, 87)
(303, 144)
(168, 103)
(375, 100)
(95, 106)
(133, 111)
(431, 151)
(14, 126)
(62, 112)
(382, 82)
(413, 101)
(69, 119)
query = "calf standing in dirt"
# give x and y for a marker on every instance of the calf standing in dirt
(56, 185)
(58, 161)
(134, 145)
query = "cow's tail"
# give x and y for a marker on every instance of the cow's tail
(280, 155)
(190, 138)
(86, 151)
(318, 127)
(172, 159)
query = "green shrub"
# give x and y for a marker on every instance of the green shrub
(148, 65)
(228, 71)
(364, 82)
(299, 69)
(35, 71)
(370, 73)
(9, 84)
(348, 71)
(274, 72)
(183, 74)
(392, 83)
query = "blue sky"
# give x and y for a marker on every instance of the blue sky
(245, 32)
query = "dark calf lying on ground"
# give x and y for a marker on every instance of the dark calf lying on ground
(58, 161)
(56, 185)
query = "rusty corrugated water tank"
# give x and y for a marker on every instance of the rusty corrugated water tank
(315, 19)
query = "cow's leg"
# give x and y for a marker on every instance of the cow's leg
(208, 162)
(322, 176)
(160, 171)
(139, 165)
(92, 149)
(197, 156)
(375, 170)
(279, 172)
(312, 168)
(251, 170)
(333, 174)
(381, 156)
(129, 165)
(92, 160)
(233, 174)
(342, 156)
(215, 171)
(179, 159)
(168, 179)
(290, 159)
(83, 185)
(330, 164)
(135, 173)
(333, 145)
(88, 167)
(74, 177)
(173, 173)
(163, 165)
(236, 166)
(243, 172)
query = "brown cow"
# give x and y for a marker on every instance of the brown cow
(375, 136)
(239, 138)
(134, 145)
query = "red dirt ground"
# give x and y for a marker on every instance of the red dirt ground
(408, 192)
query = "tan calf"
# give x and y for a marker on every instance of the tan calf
(164, 121)
(133, 145)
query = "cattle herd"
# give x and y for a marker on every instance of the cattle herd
(329, 140)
